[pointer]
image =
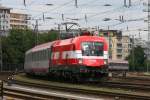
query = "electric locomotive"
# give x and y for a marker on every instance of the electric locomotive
(81, 57)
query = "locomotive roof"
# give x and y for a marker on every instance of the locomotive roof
(40, 47)
(63, 42)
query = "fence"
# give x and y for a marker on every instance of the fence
(13, 67)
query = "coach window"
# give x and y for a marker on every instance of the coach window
(28, 58)
(38, 55)
(47, 54)
(43, 55)
(50, 53)
(33, 56)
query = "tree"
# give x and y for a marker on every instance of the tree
(19, 41)
(15, 45)
(47, 37)
(136, 59)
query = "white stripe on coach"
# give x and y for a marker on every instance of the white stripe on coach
(77, 54)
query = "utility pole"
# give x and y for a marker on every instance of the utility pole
(1, 54)
(125, 3)
(133, 52)
(148, 20)
(59, 31)
(148, 42)
(147, 4)
(36, 31)
(129, 3)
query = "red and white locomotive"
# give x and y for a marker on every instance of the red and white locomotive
(82, 56)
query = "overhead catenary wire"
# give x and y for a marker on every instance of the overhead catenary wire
(88, 14)
(64, 4)
(94, 14)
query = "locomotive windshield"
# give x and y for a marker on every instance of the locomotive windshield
(92, 49)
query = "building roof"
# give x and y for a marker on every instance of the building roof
(16, 11)
(4, 8)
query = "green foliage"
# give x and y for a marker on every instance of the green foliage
(46, 37)
(137, 59)
(15, 44)
(147, 65)
(19, 41)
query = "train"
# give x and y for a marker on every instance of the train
(80, 57)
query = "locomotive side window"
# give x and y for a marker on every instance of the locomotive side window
(92, 49)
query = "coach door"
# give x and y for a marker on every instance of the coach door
(49, 56)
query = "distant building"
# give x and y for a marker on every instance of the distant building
(4, 20)
(119, 46)
(19, 20)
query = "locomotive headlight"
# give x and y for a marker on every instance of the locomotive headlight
(105, 62)
(80, 61)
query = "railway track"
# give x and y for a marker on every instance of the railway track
(136, 83)
(132, 78)
(87, 89)
(18, 93)
(34, 93)
(126, 85)
(90, 90)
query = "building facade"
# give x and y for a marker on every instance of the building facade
(119, 45)
(4, 20)
(18, 20)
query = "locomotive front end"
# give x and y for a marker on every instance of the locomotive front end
(93, 57)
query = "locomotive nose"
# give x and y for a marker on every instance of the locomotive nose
(93, 62)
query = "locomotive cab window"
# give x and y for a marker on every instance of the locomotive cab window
(92, 49)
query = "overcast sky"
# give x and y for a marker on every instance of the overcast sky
(94, 10)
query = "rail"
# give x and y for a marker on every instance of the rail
(127, 85)
(7, 92)
(1, 89)
(28, 95)
(88, 91)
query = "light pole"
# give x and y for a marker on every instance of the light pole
(133, 52)
(1, 54)
(36, 29)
